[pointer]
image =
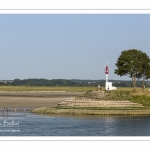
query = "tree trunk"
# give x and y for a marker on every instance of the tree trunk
(143, 84)
(134, 82)
(143, 81)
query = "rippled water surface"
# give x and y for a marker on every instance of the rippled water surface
(44, 125)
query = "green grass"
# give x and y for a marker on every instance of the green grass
(138, 96)
(45, 88)
(141, 99)
(120, 94)
(50, 110)
(56, 88)
(100, 108)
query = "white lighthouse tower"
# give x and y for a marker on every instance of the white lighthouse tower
(106, 71)
(108, 85)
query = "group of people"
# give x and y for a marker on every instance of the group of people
(5, 110)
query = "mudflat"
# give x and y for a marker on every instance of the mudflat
(30, 102)
(34, 99)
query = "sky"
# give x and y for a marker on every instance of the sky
(68, 46)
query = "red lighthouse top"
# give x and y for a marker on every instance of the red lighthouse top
(106, 70)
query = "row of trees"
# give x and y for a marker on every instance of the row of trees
(63, 82)
(53, 82)
(135, 64)
(42, 82)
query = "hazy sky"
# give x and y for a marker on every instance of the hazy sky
(68, 46)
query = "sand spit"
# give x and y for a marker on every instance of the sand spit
(34, 99)
(98, 103)
(69, 111)
(94, 107)
(30, 102)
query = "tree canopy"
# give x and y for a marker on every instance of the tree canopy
(135, 64)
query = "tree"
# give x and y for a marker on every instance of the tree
(134, 63)
(145, 70)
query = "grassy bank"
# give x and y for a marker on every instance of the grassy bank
(85, 111)
(45, 88)
(58, 88)
(139, 97)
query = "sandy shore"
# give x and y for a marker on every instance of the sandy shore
(30, 102)
(34, 99)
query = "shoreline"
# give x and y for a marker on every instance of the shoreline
(34, 99)
(65, 103)
(69, 111)
(94, 107)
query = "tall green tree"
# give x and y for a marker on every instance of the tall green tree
(133, 63)
(145, 68)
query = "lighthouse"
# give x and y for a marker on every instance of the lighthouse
(106, 72)
(108, 85)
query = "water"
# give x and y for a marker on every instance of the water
(29, 124)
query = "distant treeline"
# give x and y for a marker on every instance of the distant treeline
(64, 82)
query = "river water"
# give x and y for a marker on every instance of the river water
(29, 124)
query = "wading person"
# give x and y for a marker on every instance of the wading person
(15, 110)
(7, 110)
(24, 111)
(3, 110)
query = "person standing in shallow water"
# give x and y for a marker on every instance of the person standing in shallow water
(3, 111)
(7, 110)
(24, 111)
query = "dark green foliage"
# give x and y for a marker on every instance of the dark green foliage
(43, 82)
(135, 64)
(73, 83)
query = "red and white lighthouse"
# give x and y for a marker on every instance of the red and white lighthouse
(108, 85)
(106, 70)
